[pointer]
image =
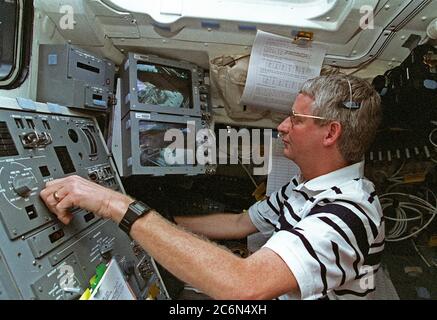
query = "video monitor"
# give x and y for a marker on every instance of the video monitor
(161, 144)
(154, 84)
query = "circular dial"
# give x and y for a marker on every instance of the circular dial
(17, 182)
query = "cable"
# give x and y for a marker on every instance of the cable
(420, 253)
(360, 67)
(393, 176)
(433, 143)
(403, 210)
(248, 173)
(430, 138)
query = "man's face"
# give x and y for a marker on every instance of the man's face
(301, 136)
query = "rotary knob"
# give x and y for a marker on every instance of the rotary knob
(23, 186)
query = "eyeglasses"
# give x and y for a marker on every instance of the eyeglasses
(294, 115)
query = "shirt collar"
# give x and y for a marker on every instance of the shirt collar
(336, 177)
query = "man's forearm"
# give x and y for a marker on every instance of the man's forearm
(193, 260)
(219, 225)
(214, 270)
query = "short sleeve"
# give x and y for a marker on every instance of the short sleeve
(321, 251)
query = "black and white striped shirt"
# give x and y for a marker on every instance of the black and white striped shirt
(329, 231)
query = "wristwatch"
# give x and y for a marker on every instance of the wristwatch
(136, 210)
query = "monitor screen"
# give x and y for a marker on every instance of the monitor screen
(155, 151)
(164, 86)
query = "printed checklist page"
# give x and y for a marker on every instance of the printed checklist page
(277, 70)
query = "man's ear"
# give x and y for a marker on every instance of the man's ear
(333, 133)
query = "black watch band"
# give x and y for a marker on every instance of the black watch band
(136, 210)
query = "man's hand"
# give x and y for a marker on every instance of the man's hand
(63, 194)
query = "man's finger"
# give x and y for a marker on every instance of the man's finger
(57, 181)
(65, 217)
(62, 210)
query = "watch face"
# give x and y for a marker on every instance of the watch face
(140, 207)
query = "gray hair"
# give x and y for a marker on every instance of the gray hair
(359, 126)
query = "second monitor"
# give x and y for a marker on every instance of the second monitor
(157, 144)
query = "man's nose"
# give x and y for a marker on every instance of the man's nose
(284, 126)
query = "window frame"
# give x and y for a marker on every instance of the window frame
(224, 10)
(23, 46)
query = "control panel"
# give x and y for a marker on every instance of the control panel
(73, 77)
(41, 258)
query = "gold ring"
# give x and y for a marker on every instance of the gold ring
(56, 196)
